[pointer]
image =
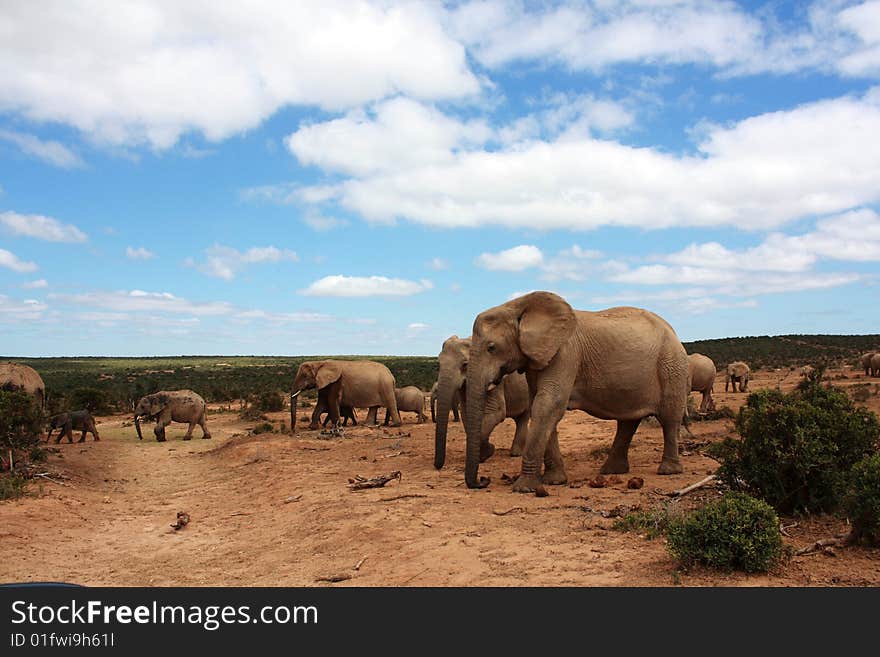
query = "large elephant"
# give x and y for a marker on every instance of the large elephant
(456, 403)
(510, 399)
(701, 374)
(14, 376)
(621, 364)
(168, 406)
(74, 420)
(737, 372)
(323, 406)
(875, 365)
(409, 398)
(866, 362)
(361, 383)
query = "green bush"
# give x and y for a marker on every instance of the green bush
(265, 427)
(736, 532)
(862, 500)
(269, 401)
(797, 448)
(11, 486)
(652, 522)
(21, 421)
(91, 399)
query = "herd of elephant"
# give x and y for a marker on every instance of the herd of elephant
(529, 359)
(871, 363)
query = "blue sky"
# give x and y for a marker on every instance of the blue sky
(357, 177)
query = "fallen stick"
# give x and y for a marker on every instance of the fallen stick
(399, 497)
(693, 487)
(292, 498)
(407, 581)
(360, 563)
(361, 483)
(504, 513)
(820, 545)
(316, 449)
(341, 577)
(45, 475)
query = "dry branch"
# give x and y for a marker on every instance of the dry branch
(360, 563)
(824, 544)
(693, 487)
(504, 513)
(341, 577)
(45, 475)
(361, 483)
(399, 497)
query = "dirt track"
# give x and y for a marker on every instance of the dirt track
(273, 509)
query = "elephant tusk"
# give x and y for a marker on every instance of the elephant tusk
(296, 394)
(491, 387)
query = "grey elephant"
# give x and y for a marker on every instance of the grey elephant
(167, 406)
(409, 398)
(14, 376)
(701, 374)
(875, 365)
(68, 422)
(360, 383)
(621, 364)
(737, 372)
(807, 371)
(456, 403)
(323, 406)
(510, 399)
(866, 362)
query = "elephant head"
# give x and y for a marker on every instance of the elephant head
(148, 406)
(523, 334)
(312, 374)
(453, 359)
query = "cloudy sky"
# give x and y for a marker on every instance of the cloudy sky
(365, 177)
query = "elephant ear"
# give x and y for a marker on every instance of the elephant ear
(327, 374)
(546, 322)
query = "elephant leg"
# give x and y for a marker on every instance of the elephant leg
(455, 413)
(82, 438)
(618, 459)
(314, 425)
(519, 438)
(372, 414)
(189, 431)
(671, 463)
(705, 402)
(68, 430)
(554, 468)
(547, 411)
(162, 421)
(204, 425)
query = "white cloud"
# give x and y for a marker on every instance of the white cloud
(40, 227)
(396, 134)
(13, 262)
(574, 264)
(36, 285)
(12, 310)
(142, 301)
(756, 174)
(437, 264)
(140, 253)
(517, 258)
(53, 152)
(225, 262)
(283, 318)
(149, 72)
(322, 222)
(365, 286)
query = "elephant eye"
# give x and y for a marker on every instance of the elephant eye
(491, 348)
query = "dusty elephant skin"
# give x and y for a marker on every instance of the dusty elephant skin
(322, 406)
(619, 364)
(74, 420)
(737, 372)
(410, 399)
(168, 406)
(356, 383)
(456, 403)
(21, 377)
(875, 365)
(866, 363)
(701, 374)
(511, 399)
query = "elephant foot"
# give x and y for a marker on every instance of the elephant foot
(160, 439)
(81, 440)
(669, 466)
(97, 439)
(615, 466)
(207, 436)
(555, 477)
(187, 437)
(526, 483)
(486, 450)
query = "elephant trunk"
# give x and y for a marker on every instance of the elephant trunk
(137, 426)
(293, 410)
(475, 408)
(445, 392)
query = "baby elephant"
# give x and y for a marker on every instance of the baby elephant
(67, 422)
(412, 399)
(167, 406)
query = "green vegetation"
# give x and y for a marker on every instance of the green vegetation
(798, 448)
(862, 499)
(653, 522)
(736, 532)
(20, 422)
(12, 486)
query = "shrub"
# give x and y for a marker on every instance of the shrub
(21, 421)
(265, 427)
(736, 532)
(653, 522)
(11, 486)
(797, 448)
(269, 401)
(862, 500)
(91, 399)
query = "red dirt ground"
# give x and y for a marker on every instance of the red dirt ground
(272, 509)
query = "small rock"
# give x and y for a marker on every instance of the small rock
(635, 483)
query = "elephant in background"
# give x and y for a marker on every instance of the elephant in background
(619, 364)
(875, 365)
(866, 362)
(807, 371)
(168, 406)
(68, 422)
(14, 376)
(361, 383)
(701, 374)
(456, 403)
(737, 372)
(409, 398)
